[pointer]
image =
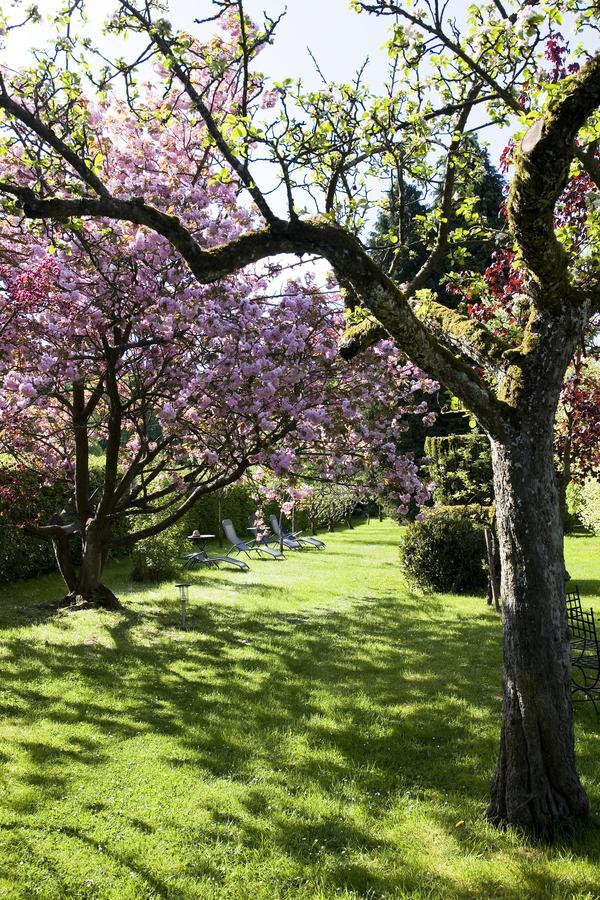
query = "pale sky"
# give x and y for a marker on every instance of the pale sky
(339, 39)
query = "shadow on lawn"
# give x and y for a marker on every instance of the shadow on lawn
(383, 703)
(588, 587)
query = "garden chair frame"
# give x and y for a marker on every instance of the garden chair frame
(294, 536)
(585, 650)
(248, 547)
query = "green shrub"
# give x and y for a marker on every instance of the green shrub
(589, 510)
(22, 556)
(445, 552)
(156, 558)
(573, 506)
(480, 514)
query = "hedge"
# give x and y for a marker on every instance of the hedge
(445, 552)
(589, 508)
(157, 558)
(461, 467)
(22, 556)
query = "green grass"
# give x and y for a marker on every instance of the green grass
(318, 732)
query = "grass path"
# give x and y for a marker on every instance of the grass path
(318, 732)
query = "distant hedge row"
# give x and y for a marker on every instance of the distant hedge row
(158, 558)
(22, 556)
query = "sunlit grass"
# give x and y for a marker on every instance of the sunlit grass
(319, 731)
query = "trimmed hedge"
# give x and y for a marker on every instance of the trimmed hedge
(22, 556)
(155, 558)
(461, 467)
(446, 552)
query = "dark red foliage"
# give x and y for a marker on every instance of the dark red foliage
(580, 426)
(556, 52)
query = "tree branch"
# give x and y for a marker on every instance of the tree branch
(436, 256)
(464, 334)
(82, 451)
(542, 170)
(195, 495)
(590, 162)
(240, 168)
(316, 237)
(43, 131)
(359, 337)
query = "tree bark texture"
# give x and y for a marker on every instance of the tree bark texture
(536, 785)
(491, 543)
(88, 586)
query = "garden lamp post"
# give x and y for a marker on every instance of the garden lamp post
(184, 596)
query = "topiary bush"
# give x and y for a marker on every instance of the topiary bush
(445, 552)
(460, 465)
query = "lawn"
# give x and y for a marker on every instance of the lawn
(319, 731)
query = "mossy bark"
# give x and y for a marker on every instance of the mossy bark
(536, 785)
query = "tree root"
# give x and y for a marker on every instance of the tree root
(101, 597)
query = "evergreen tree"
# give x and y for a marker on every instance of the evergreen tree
(399, 239)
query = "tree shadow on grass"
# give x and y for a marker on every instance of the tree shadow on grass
(370, 705)
(35, 835)
(588, 587)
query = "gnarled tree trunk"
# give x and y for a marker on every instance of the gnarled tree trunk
(88, 586)
(536, 785)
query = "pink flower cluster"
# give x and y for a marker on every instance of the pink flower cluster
(108, 325)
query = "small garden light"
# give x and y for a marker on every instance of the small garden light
(184, 596)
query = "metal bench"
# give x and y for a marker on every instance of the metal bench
(585, 650)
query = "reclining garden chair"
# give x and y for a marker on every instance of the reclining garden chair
(273, 538)
(200, 558)
(247, 547)
(294, 536)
